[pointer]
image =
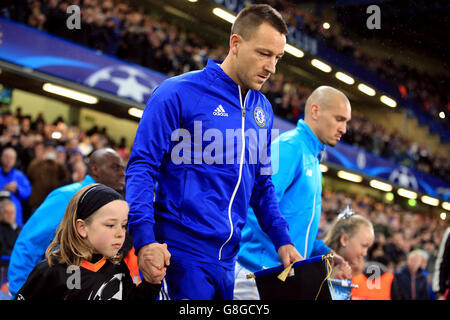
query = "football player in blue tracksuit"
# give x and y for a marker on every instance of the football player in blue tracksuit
(298, 185)
(197, 139)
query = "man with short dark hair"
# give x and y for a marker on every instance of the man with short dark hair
(106, 167)
(202, 197)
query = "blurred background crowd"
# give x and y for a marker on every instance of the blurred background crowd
(116, 28)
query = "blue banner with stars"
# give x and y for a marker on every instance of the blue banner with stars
(37, 50)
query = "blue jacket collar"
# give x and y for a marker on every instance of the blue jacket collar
(313, 143)
(214, 65)
(88, 180)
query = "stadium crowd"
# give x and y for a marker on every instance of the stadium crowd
(115, 28)
(428, 90)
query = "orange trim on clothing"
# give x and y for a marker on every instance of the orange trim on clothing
(364, 292)
(132, 264)
(94, 267)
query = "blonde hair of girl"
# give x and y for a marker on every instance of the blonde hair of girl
(68, 246)
(348, 223)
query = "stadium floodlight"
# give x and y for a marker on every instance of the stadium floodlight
(446, 205)
(69, 93)
(407, 193)
(366, 89)
(443, 216)
(135, 112)
(345, 78)
(294, 51)
(323, 168)
(56, 135)
(320, 65)
(442, 115)
(430, 201)
(349, 176)
(326, 25)
(388, 101)
(383, 186)
(224, 15)
(389, 196)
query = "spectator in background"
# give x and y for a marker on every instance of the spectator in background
(75, 156)
(14, 181)
(122, 150)
(36, 19)
(85, 145)
(56, 17)
(429, 247)
(394, 248)
(70, 145)
(45, 176)
(113, 35)
(79, 171)
(98, 35)
(409, 282)
(9, 231)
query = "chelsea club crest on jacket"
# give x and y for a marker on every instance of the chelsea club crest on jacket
(207, 148)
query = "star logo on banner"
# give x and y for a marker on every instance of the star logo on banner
(125, 81)
(129, 87)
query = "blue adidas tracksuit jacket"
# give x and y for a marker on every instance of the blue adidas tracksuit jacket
(204, 189)
(298, 183)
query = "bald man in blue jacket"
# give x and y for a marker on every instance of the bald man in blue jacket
(298, 187)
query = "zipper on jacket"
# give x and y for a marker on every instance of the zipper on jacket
(240, 170)
(310, 222)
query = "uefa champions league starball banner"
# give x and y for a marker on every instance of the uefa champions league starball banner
(358, 159)
(37, 50)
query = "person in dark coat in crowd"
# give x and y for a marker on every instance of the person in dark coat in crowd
(409, 282)
(9, 231)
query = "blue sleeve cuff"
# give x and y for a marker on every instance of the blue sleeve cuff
(142, 234)
(280, 236)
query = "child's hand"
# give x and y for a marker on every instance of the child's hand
(342, 271)
(153, 260)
